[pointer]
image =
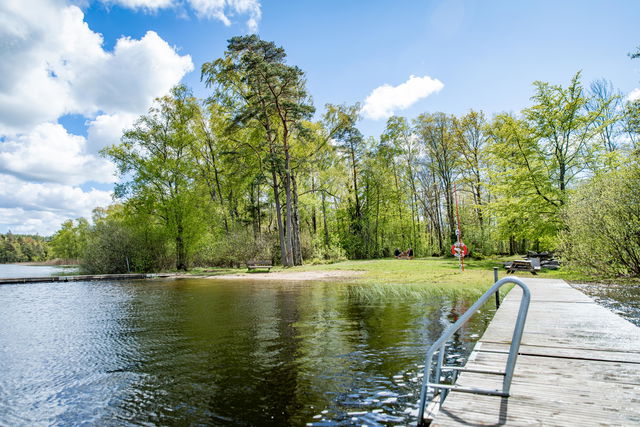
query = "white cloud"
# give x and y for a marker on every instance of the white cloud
(222, 10)
(53, 64)
(385, 100)
(50, 154)
(27, 207)
(129, 79)
(633, 95)
(21, 221)
(107, 129)
(150, 5)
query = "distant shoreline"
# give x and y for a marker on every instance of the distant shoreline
(48, 263)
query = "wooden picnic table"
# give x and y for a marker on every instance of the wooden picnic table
(531, 265)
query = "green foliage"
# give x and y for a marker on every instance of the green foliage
(631, 123)
(603, 224)
(269, 95)
(122, 242)
(537, 160)
(109, 247)
(22, 248)
(236, 248)
(245, 174)
(69, 242)
(156, 157)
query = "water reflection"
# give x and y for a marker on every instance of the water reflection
(215, 352)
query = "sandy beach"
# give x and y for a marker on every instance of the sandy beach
(290, 275)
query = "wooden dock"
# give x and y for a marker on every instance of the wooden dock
(579, 365)
(78, 278)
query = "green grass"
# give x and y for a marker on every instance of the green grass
(418, 277)
(394, 278)
(442, 271)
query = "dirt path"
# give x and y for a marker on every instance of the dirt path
(291, 275)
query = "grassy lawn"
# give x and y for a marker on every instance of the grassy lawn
(443, 271)
(420, 276)
(417, 277)
(405, 278)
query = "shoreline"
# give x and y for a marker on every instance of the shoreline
(48, 263)
(298, 276)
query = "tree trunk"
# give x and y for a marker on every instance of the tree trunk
(355, 181)
(181, 262)
(219, 187)
(276, 198)
(378, 252)
(314, 222)
(450, 211)
(254, 200)
(324, 223)
(297, 246)
(438, 216)
(480, 215)
(216, 176)
(288, 235)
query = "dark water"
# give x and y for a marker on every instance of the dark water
(623, 300)
(207, 352)
(8, 271)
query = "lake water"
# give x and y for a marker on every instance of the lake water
(197, 351)
(8, 271)
(624, 300)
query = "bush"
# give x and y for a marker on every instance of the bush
(234, 249)
(114, 245)
(108, 250)
(603, 224)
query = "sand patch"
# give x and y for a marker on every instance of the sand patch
(292, 275)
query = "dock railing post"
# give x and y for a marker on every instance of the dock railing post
(516, 339)
(440, 343)
(495, 279)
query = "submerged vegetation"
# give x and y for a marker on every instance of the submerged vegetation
(248, 174)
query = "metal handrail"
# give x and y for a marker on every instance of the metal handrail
(439, 347)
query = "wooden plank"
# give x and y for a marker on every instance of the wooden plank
(579, 364)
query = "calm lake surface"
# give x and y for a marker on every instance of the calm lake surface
(8, 271)
(197, 351)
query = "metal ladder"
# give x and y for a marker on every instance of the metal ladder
(432, 385)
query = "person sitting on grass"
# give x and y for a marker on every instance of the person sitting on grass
(396, 253)
(408, 254)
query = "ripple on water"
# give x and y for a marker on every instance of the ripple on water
(203, 352)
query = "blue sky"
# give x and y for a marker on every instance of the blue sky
(78, 71)
(487, 53)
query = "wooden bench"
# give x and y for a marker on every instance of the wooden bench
(531, 265)
(259, 264)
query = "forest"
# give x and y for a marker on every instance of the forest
(22, 248)
(254, 171)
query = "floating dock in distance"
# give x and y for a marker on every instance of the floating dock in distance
(579, 364)
(80, 278)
